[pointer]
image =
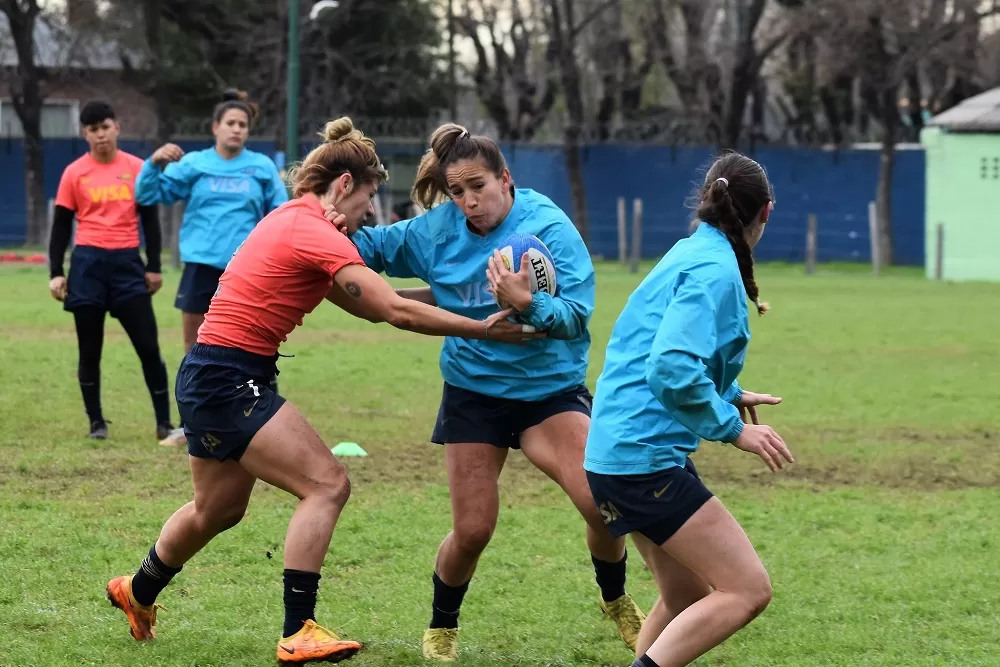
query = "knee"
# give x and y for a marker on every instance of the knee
(472, 537)
(757, 595)
(221, 519)
(334, 489)
(150, 355)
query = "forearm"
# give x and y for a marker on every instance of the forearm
(418, 317)
(62, 230)
(150, 218)
(560, 318)
(680, 384)
(733, 394)
(155, 187)
(421, 294)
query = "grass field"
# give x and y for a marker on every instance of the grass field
(881, 541)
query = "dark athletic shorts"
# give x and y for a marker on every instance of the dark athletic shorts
(224, 398)
(198, 285)
(467, 416)
(655, 505)
(105, 279)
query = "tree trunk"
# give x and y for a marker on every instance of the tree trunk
(161, 97)
(34, 178)
(563, 35)
(26, 95)
(883, 194)
(574, 169)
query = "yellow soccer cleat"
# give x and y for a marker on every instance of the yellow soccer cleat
(141, 620)
(441, 644)
(314, 643)
(627, 616)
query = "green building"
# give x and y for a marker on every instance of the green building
(963, 189)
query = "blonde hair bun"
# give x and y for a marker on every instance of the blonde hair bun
(338, 130)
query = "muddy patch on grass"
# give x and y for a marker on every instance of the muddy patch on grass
(890, 458)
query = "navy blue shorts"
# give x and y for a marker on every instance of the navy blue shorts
(105, 279)
(224, 398)
(655, 505)
(198, 285)
(467, 416)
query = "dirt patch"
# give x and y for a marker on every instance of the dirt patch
(937, 461)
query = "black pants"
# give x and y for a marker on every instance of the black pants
(139, 322)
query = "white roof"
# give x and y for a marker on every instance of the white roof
(976, 114)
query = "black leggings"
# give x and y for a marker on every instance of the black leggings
(139, 322)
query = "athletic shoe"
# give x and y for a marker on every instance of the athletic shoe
(141, 620)
(98, 430)
(627, 616)
(173, 438)
(314, 643)
(441, 644)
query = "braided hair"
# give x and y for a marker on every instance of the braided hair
(735, 191)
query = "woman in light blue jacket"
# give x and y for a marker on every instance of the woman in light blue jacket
(669, 381)
(227, 189)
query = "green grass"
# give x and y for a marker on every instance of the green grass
(881, 541)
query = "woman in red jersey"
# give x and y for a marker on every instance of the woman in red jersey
(106, 273)
(238, 429)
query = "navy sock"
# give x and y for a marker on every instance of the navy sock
(610, 577)
(447, 603)
(300, 599)
(645, 661)
(152, 577)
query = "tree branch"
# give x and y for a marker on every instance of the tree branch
(589, 18)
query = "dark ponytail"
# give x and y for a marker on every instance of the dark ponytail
(449, 144)
(235, 99)
(735, 191)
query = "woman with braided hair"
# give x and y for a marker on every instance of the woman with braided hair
(669, 381)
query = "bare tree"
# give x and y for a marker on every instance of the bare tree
(27, 97)
(152, 11)
(515, 72)
(619, 60)
(562, 35)
(564, 31)
(891, 46)
(713, 52)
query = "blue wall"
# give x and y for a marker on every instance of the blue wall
(836, 186)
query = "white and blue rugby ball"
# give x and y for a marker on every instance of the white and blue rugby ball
(542, 266)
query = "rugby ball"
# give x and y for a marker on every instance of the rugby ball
(542, 266)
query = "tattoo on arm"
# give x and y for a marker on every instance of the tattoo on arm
(353, 289)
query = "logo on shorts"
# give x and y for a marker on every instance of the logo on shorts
(246, 413)
(657, 494)
(609, 512)
(586, 401)
(210, 442)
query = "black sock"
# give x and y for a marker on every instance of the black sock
(300, 599)
(152, 577)
(90, 341)
(645, 661)
(610, 577)
(161, 405)
(139, 322)
(447, 603)
(92, 400)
